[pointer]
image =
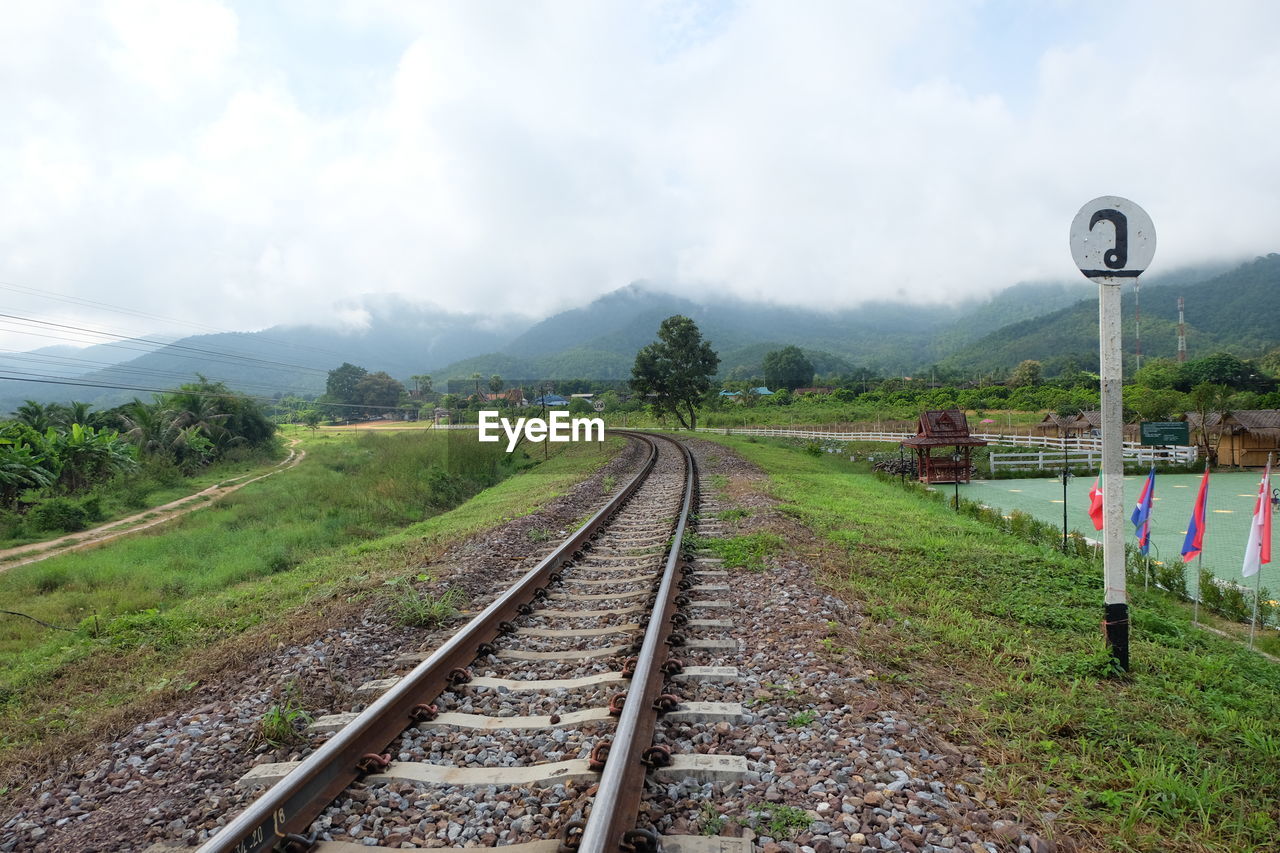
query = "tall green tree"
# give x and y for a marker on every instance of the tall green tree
(378, 391)
(1159, 373)
(1028, 373)
(35, 415)
(787, 368)
(674, 372)
(1207, 400)
(342, 382)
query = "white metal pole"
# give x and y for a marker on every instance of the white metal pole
(1110, 358)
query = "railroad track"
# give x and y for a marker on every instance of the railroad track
(538, 716)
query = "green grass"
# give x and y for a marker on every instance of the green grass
(739, 552)
(777, 821)
(150, 609)
(801, 719)
(414, 608)
(1183, 753)
(285, 722)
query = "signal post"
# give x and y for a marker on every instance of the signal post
(1112, 241)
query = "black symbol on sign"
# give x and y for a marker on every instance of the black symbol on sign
(1116, 258)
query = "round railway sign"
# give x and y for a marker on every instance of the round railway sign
(1112, 239)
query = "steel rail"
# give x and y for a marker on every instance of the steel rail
(292, 804)
(616, 805)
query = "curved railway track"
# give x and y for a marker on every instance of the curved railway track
(598, 617)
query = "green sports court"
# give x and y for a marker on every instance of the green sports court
(1230, 508)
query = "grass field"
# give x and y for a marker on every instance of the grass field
(1181, 754)
(145, 611)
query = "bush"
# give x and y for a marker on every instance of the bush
(57, 514)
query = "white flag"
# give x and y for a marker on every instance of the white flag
(1258, 551)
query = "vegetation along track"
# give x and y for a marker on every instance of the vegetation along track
(580, 639)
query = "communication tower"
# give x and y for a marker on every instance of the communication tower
(1182, 333)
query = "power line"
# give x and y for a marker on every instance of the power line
(87, 366)
(133, 339)
(77, 300)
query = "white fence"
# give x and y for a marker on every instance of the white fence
(1091, 458)
(1083, 451)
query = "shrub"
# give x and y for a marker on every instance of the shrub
(57, 514)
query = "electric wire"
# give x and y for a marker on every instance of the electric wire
(18, 360)
(133, 339)
(119, 309)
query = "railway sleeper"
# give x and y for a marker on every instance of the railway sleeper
(696, 712)
(670, 844)
(697, 766)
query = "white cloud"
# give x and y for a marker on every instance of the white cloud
(245, 168)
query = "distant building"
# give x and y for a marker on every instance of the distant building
(550, 400)
(1245, 437)
(815, 390)
(762, 391)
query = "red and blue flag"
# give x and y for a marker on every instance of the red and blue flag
(1141, 517)
(1194, 543)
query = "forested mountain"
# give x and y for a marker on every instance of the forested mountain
(600, 340)
(1054, 322)
(400, 337)
(1237, 311)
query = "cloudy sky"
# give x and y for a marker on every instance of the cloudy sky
(241, 164)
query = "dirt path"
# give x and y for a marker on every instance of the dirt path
(141, 521)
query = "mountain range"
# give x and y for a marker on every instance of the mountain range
(1228, 308)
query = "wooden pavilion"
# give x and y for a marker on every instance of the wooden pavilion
(943, 428)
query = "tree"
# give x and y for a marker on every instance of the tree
(1222, 368)
(675, 371)
(378, 389)
(495, 383)
(1154, 404)
(787, 368)
(1026, 374)
(35, 415)
(311, 418)
(421, 383)
(1157, 373)
(341, 385)
(1206, 400)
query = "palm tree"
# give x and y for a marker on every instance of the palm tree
(150, 428)
(75, 412)
(34, 415)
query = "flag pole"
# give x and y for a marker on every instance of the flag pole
(1195, 615)
(1257, 593)
(1264, 506)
